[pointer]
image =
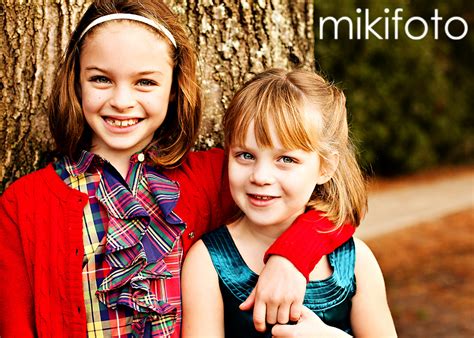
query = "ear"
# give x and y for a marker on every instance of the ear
(328, 167)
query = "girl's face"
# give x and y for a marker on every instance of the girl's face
(271, 185)
(125, 79)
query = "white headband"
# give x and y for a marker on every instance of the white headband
(133, 17)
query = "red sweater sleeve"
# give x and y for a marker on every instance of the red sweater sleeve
(16, 307)
(308, 239)
(205, 201)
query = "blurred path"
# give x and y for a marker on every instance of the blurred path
(400, 207)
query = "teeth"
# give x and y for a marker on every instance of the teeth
(121, 123)
(264, 198)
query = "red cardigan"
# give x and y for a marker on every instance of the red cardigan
(41, 248)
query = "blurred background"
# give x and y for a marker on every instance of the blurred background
(410, 100)
(411, 109)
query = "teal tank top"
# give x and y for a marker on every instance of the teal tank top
(330, 299)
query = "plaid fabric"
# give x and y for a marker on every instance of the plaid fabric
(133, 252)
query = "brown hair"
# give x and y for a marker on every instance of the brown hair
(277, 97)
(178, 131)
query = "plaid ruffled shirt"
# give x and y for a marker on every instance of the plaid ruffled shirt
(133, 251)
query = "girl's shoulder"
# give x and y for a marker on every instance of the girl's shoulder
(42, 182)
(363, 252)
(26, 193)
(205, 157)
(32, 179)
(197, 251)
(366, 265)
(198, 163)
(198, 262)
(203, 254)
(370, 300)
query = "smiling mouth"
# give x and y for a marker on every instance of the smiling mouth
(262, 197)
(121, 123)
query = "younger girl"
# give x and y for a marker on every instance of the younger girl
(93, 244)
(288, 146)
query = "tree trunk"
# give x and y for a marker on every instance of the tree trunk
(234, 39)
(32, 38)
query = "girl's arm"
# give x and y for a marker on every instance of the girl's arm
(370, 314)
(17, 307)
(278, 296)
(310, 237)
(203, 310)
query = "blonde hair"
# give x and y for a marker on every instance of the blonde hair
(178, 131)
(278, 97)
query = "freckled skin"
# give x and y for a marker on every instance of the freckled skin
(125, 78)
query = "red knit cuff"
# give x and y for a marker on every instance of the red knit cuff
(306, 241)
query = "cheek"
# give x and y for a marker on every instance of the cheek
(236, 177)
(90, 100)
(156, 105)
(302, 185)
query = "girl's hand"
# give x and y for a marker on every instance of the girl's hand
(309, 326)
(278, 295)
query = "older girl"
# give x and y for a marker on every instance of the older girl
(93, 244)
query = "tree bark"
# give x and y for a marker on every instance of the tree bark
(32, 38)
(234, 40)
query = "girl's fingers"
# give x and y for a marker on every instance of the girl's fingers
(272, 313)
(248, 303)
(283, 314)
(280, 331)
(296, 311)
(259, 316)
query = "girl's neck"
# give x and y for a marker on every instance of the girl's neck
(120, 161)
(264, 234)
(121, 165)
(253, 240)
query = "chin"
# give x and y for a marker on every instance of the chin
(263, 222)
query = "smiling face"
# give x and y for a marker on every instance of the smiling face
(125, 79)
(271, 185)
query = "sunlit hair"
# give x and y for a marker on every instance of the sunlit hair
(277, 98)
(179, 130)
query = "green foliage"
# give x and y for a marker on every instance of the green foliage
(409, 100)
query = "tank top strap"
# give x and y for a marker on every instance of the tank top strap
(229, 264)
(342, 260)
(340, 286)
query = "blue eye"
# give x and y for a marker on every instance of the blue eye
(245, 156)
(287, 159)
(146, 82)
(99, 79)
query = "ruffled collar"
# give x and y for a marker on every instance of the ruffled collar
(136, 242)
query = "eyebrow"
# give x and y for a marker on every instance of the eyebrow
(148, 72)
(144, 72)
(249, 148)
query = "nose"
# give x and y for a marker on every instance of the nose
(262, 174)
(123, 98)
